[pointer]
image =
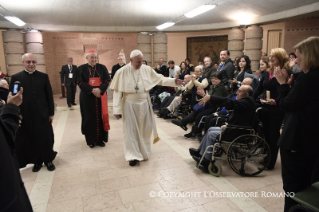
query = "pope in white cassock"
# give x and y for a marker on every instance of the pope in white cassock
(131, 100)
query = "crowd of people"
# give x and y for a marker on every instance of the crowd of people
(284, 85)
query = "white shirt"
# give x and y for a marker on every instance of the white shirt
(173, 71)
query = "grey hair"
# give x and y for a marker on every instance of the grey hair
(209, 59)
(2, 82)
(87, 54)
(199, 67)
(69, 58)
(26, 54)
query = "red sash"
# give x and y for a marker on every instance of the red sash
(105, 112)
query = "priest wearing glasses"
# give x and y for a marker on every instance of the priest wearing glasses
(93, 79)
(131, 85)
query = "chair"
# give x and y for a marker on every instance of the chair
(308, 199)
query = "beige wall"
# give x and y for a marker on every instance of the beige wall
(177, 46)
(270, 27)
(177, 43)
(3, 63)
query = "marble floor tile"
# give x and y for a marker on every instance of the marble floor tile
(71, 205)
(140, 193)
(163, 204)
(222, 205)
(113, 184)
(144, 179)
(119, 172)
(72, 192)
(101, 201)
(75, 179)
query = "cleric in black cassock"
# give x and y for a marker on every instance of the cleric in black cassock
(35, 139)
(93, 79)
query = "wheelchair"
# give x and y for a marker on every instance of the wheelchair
(247, 153)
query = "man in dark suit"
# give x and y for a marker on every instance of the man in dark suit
(68, 79)
(35, 139)
(243, 115)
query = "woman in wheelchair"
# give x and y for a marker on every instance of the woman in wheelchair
(216, 89)
(243, 114)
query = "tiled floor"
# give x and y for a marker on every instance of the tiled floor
(100, 179)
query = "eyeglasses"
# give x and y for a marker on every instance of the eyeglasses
(31, 61)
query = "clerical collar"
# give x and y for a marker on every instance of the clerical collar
(29, 72)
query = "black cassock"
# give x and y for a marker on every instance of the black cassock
(92, 125)
(35, 139)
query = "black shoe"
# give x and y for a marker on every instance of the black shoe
(102, 144)
(203, 168)
(50, 166)
(194, 152)
(73, 104)
(36, 167)
(179, 123)
(91, 145)
(133, 162)
(69, 105)
(189, 135)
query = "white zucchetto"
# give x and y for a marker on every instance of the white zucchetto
(135, 53)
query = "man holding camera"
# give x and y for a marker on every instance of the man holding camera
(35, 139)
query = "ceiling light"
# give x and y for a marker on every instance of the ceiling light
(165, 25)
(200, 10)
(17, 21)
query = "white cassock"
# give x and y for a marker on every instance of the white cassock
(131, 99)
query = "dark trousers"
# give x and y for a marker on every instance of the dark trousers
(272, 122)
(196, 116)
(299, 170)
(70, 94)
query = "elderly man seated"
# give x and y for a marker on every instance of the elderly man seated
(4, 89)
(174, 101)
(243, 114)
(217, 118)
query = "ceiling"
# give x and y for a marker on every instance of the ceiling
(144, 15)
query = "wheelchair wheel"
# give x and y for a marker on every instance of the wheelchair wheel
(215, 169)
(248, 155)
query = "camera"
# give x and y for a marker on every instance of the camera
(16, 87)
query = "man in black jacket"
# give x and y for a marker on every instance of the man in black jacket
(117, 66)
(13, 195)
(243, 114)
(68, 79)
(226, 67)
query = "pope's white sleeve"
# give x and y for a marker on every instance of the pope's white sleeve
(117, 102)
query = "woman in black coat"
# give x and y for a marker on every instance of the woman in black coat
(299, 145)
(243, 67)
(272, 120)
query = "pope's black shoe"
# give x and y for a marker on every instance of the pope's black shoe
(36, 167)
(50, 166)
(133, 162)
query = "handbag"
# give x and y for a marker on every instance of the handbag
(199, 107)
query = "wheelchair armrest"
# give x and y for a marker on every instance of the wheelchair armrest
(239, 127)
